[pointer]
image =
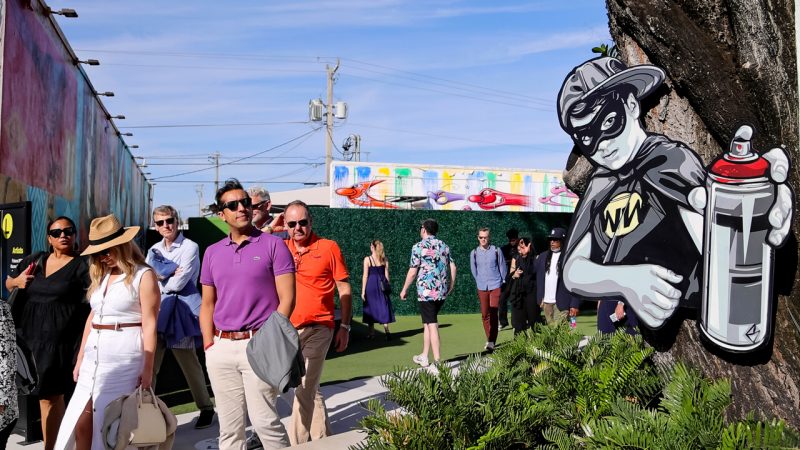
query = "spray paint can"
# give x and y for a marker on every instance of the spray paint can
(737, 259)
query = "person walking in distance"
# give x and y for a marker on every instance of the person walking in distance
(430, 259)
(377, 300)
(489, 271)
(509, 252)
(245, 278)
(558, 303)
(320, 271)
(178, 283)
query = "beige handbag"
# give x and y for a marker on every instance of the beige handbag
(152, 428)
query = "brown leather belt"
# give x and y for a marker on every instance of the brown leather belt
(115, 326)
(236, 335)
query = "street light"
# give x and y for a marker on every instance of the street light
(106, 93)
(133, 146)
(66, 12)
(124, 134)
(90, 62)
(120, 116)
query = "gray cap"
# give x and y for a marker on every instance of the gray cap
(557, 233)
(600, 75)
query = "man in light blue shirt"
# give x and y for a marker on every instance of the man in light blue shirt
(489, 270)
(176, 261)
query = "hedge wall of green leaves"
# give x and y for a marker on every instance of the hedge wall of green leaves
(354, 229)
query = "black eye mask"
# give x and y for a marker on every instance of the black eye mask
(589, 136)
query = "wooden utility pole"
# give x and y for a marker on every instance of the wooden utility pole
(329, 122)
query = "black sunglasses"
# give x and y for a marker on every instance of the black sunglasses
(259, 204)
(105, 252)
(169, 221)
(293, 224)
(234, 204)
(56, 232)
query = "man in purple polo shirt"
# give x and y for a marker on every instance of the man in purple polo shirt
(246, 277)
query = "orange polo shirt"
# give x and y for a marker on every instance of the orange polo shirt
(318, 268)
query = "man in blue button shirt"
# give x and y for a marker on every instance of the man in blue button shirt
(489, 271)
(176, 262)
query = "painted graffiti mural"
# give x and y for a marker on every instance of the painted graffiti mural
(58, 149)
(396, 186)
(658, 231)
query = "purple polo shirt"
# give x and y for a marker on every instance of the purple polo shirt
(244, 277)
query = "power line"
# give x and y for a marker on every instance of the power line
(445, 80)
(480, 91)
(237, 69)
(424, 133)
(201, 125)
(241, 164)
(454, 94)
(304, 135)
(241, 181)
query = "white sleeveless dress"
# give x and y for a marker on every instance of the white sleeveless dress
(112, 359)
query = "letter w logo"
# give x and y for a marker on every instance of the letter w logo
(621, 216)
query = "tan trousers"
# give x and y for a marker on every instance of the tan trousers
(192, 372)
(309, 415)
(553, 315)
(238, 393)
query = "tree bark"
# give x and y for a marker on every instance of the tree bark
(727, 63)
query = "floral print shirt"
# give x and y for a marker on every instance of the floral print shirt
(432, 258)
(8, 367)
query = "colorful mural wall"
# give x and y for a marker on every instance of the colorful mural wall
(403, 186)
(58, 148)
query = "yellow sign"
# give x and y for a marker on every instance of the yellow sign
(8, 226)
(622, 214)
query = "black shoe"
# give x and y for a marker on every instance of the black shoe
(388, 336)
(205, 420)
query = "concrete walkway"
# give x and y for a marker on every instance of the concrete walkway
(345, 410)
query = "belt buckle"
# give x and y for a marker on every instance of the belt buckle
(116, 326)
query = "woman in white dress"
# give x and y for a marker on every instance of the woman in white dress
(119, 339)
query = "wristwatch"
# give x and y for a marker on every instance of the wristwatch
(346, 327)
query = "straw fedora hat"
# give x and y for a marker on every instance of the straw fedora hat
(106, 232)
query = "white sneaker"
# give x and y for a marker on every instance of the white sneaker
(489, 346)
(421, 360)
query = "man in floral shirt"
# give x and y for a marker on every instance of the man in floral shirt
(429, 261)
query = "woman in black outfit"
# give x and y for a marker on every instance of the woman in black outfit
(525, 311)
(50, 313)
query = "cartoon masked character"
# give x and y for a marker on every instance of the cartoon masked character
(637, 231)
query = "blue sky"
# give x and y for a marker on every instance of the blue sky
(439, 81)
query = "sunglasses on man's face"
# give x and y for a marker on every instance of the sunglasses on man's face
(169, 221)
(233, 205)
(302, 223)
(57, 232)
(259, 204)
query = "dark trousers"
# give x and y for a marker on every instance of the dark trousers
(489, 301)
(502, 310)
(5, 433)
(525, 312)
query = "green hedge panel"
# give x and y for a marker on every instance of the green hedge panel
(354, 229)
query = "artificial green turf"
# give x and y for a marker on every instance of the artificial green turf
(461, 335)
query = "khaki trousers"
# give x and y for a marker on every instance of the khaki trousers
(192, 372)
(553, 315)
(238, 393)
(309, 415)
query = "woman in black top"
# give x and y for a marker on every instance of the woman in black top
(525, 311)
(50, 313)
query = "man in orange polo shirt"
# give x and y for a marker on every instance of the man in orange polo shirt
(320, 269)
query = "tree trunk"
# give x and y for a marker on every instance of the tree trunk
(727, 63)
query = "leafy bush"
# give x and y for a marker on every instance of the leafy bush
(543, 390)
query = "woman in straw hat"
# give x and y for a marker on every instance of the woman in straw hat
(119, 339)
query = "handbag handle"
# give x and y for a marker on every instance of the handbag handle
(140, 395)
